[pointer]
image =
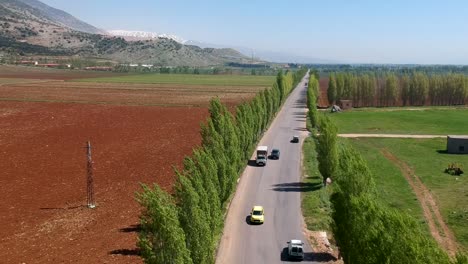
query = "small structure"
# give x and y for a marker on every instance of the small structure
(457, 144)
(346, 104)
(335, 109)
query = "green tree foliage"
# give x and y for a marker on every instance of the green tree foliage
(213, 143)
(375, 234)
(312, 93)
(327, 148)
(461, 259)
(207, 173)
(161, 239)
(331, 91)
(281, 85)
(340, 86)
(193, 220)
(366, 230)
(391, 90)
(418, 89)
(184, 231)
(405, 88)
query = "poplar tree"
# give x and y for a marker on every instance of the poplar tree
(207, 171)
(213, 143)
(391, 90)
(193, 221)
(327, 148)
(331, 91)
(161, 234)
(405, 88)
(280, 84)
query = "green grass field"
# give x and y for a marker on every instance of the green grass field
(426, 158)
(189, 79)
(430, 121)
(316, 206)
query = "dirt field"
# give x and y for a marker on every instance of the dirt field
(122, 93)
(43, 179)
(30, 72)
(45, 122)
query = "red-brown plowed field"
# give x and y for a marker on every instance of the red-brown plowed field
(122, 93)
(43, 217)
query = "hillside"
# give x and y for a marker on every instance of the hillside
(29, 27)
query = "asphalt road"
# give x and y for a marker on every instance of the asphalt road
(277, 188)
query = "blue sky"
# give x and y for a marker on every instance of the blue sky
(355, 31)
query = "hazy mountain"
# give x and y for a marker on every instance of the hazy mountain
(29, 27)
(272, 56)
(43, 12)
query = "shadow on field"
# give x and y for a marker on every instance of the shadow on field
(130, 229)
(297, 187)
(63, 208)
(445, 152)
(126, 252)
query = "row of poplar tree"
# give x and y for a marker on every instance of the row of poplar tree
(185, 226)
(366, 230)
(414, 89)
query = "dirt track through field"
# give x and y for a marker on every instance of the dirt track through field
(438, 228)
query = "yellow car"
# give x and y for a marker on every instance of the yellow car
(257, 215)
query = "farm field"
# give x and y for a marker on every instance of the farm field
(432, 121)
(426, 159)
(138, 132)
(124, 94)
(30, 72)
(190, 79)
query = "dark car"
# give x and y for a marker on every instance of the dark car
(275, 154)
(295, 139)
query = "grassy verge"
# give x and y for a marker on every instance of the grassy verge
(191, 79)
(428, 162)
(399, 121)
(392, 187)
(316, 207)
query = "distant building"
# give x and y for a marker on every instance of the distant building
(457, 144)
(99, 68)
(28, 62)
(48, 65)
(345, 104)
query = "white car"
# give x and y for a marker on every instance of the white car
(295, 249)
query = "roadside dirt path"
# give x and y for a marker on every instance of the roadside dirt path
(390, 136)
(438, 228)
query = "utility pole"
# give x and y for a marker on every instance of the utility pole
(90, 180)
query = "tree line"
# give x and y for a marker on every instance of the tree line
(184, 227)
(390, 89)
(366, 230)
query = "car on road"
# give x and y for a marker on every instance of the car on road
(275, 154)
(295, 249)
(257, 215)
(295, 139)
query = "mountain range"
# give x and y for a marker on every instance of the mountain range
(32, 27)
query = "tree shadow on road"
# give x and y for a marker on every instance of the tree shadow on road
(252, 163)
(297, 187)
(308, 256)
